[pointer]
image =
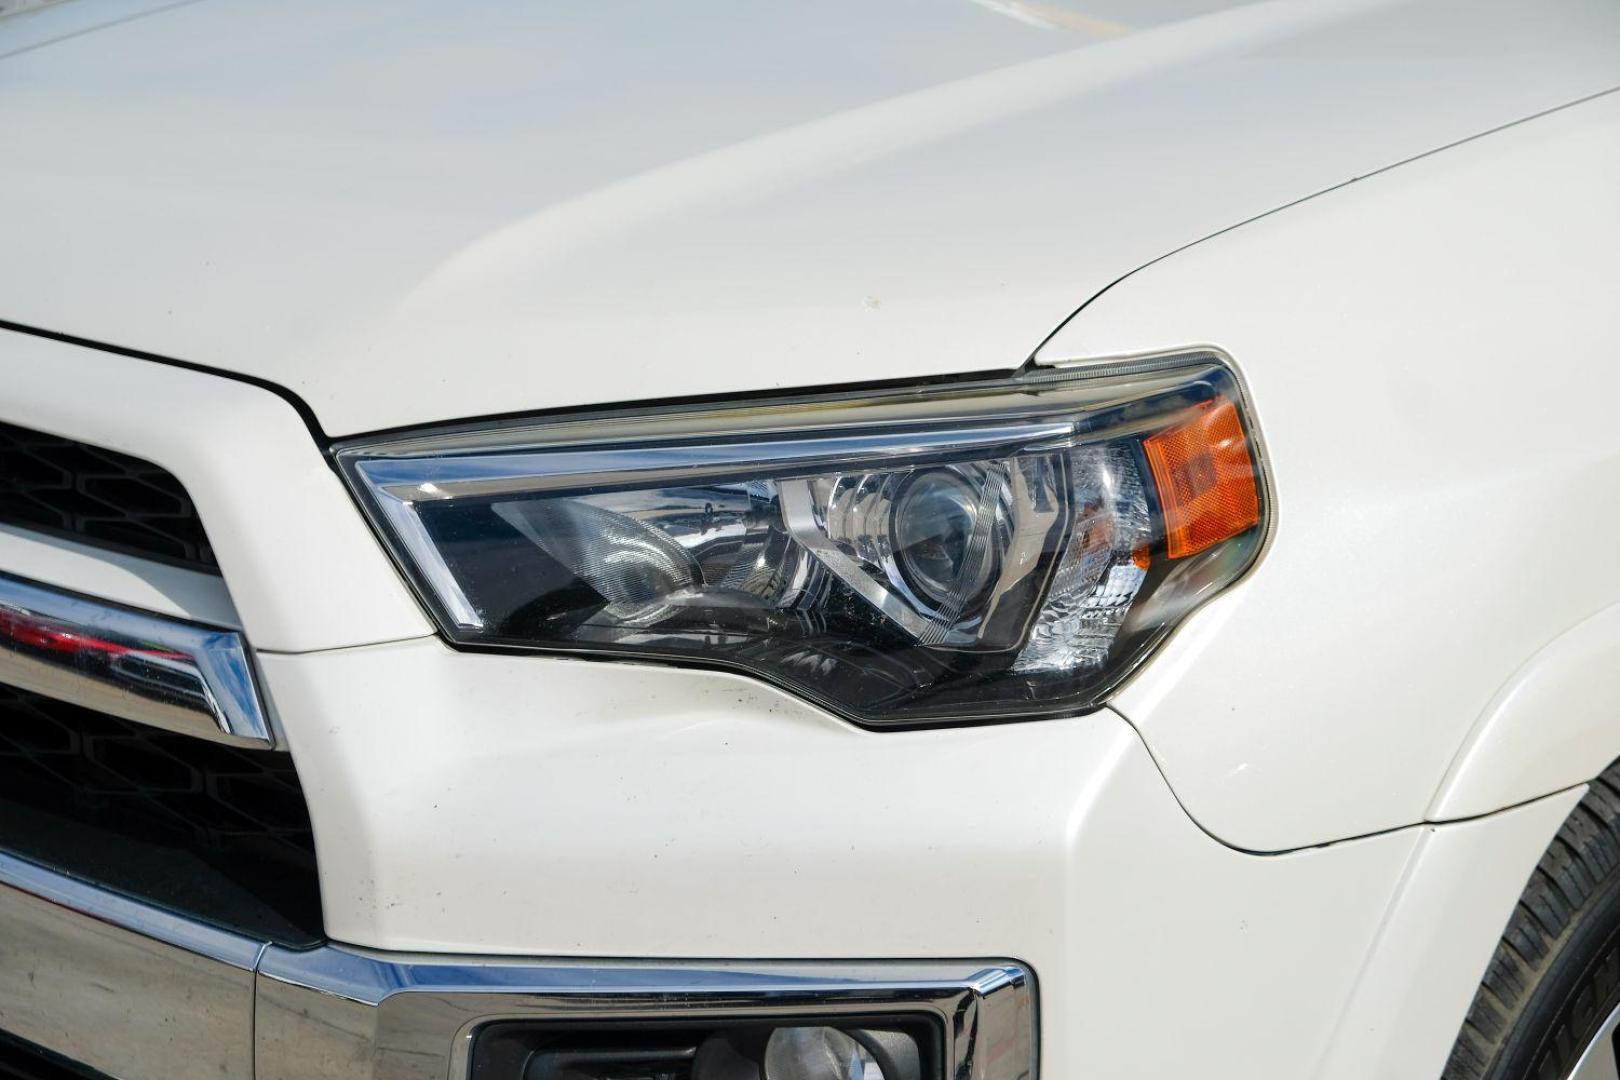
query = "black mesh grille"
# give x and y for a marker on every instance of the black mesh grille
(98, 497)
(209, 830)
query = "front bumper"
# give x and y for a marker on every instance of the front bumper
(529, 806)
(140, 993)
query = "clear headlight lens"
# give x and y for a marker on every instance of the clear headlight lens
(966, 552)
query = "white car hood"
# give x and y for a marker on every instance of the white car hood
(417, 212)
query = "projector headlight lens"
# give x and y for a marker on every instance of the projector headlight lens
(969, 552)
(943, 529)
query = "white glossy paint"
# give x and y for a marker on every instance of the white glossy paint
(111, 575)
(1426, 351)
(304, 571)
(819, 193)
(528, 805)
(1431, 952)
(586, 809)
(1555, 722)
(411, 212)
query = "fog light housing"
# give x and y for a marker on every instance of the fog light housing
(826, 1053)
(884, 1049)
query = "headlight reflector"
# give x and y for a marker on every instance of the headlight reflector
(968, 552)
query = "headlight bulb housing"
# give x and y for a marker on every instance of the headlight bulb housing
(983, 550)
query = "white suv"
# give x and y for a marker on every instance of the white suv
(883, 539)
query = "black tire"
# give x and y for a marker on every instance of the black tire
(1555, 976)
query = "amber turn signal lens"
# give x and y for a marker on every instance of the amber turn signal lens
(1206, 479)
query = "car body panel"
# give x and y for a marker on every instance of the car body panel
(1437, 409)
(303, 570)
(410, 213)
(1553, 720)
(1422, 970)
(588, 809)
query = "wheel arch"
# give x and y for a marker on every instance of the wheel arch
(1551, 725)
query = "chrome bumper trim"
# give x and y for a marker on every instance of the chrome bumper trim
(149, 995)
(180, 676)
(125, 989)
(343, 1013)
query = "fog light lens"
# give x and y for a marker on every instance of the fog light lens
(818, 1053)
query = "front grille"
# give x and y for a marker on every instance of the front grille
(212, 831)
(99, 497)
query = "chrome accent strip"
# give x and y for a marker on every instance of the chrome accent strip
(126, 989)
(114, 910)
(179, 676)
(146, 994)
(493, 475)
(990, 399)
(350, 1014)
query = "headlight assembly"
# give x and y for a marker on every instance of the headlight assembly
(974, 551)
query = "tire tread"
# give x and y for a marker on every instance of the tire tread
(1578, 872)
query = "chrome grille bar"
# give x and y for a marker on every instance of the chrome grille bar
(179, 676)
